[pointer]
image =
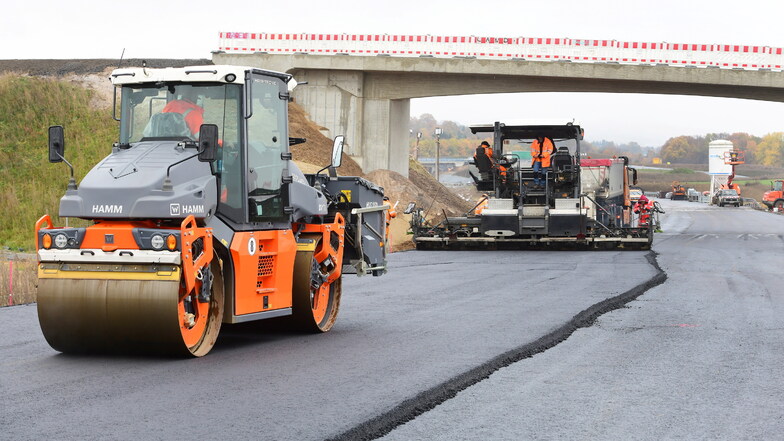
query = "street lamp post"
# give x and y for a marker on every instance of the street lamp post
(438, 154)
(415, 151)
(416, 147)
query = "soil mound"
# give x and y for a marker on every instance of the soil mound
(421, 188)
(317, 150)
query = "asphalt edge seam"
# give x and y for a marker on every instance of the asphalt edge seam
(424, 401)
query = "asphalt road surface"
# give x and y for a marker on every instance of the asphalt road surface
(404, 342)
(697, 357)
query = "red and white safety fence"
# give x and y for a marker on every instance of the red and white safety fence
(522, 48)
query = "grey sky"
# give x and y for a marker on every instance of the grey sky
(189, 29)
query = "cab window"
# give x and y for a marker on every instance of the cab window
(267, 141)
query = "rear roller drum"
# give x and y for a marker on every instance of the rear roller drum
(315, 301)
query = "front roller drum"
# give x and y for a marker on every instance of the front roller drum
(127, 312)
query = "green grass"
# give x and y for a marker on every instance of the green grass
(764, 182)
(681, 171)
(29, 185)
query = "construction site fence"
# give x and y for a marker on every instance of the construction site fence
(726, 56)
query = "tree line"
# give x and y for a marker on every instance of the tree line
(766, 150)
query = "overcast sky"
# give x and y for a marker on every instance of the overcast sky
(189, 29)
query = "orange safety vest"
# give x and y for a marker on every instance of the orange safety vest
(481, 207)
(391, 214)
(489, 153)
(192, 114)
(542, 153)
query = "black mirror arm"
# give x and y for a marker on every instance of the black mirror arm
(71, 180)
(167, 183)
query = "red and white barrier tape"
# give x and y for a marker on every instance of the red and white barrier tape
(528, 48)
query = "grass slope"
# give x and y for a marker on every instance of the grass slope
(29, 185)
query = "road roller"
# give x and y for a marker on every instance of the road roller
(199, 217)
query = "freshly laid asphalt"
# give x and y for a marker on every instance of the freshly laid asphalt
(697, 357)
(435, 324)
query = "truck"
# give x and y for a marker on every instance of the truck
(678, 192)
(726, 196)
(583, 204)
(774, 198)
(199, 217)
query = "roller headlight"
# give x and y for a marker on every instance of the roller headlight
(61, 241)
(156, 241)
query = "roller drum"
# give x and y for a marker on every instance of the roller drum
(115, 312)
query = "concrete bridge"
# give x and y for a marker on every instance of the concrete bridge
(363, 89)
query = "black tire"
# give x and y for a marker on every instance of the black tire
(309, 313)
(217, 300)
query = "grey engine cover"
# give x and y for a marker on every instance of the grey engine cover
(304, 199)
(128, 182)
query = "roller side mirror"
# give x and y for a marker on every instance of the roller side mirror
(56, 144)
(208, 142)
(337, 151)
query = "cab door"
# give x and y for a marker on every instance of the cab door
(263, 250)
(267, 151)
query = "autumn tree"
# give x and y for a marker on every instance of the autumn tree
(678, 149)
(770, 150)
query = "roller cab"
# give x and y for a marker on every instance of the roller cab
(198, 217)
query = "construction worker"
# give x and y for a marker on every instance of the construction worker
(643, 207)
(483, 203)
(483, 159)
(542, 150)
(391, 214)
(185, 105)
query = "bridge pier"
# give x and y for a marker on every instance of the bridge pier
(376, 129)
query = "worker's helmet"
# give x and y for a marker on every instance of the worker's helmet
(643, 199)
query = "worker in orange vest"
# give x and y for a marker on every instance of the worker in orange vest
(482, 204)
(483, 159)
(488, 150)
(643, 207)
(192, 113)
(391, 214)
(542, 150)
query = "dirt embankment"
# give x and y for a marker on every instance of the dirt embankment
(317, 150)
(422, 188)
